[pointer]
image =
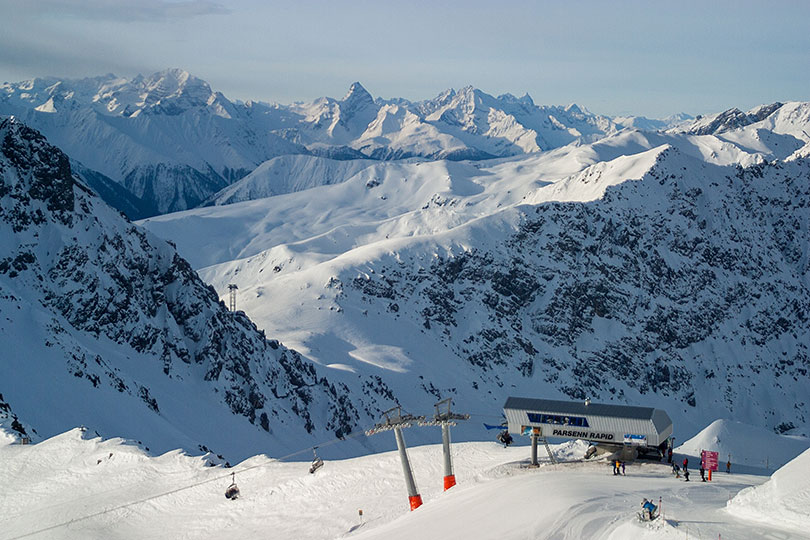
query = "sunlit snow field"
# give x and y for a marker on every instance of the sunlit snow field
(128, 494)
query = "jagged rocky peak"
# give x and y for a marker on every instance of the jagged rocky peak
(176, 86)
(764, 111)
(42, 173)
(731, 119)
(525, 99)
(574, 109)
(358, 95)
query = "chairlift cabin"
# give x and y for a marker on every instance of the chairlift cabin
(629, 430)
(232, 491)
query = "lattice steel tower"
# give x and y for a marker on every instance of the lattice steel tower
(232, 288)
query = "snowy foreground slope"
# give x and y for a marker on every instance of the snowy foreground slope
(111, 489)
(622, 270)
(784, 500)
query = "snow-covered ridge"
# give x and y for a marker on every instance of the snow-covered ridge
(637, 276)
(107, 326)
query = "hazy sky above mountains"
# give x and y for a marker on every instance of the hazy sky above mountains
(625, 57)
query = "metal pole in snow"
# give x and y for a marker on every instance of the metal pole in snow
(449, 477)
(535, 436)
(414, 498)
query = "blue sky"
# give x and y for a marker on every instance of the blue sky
(615, 57)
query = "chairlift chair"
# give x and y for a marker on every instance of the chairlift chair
(232, 493)
(317, 462)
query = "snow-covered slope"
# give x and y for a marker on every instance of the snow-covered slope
(654, 278)
(104, 325)
(747, 447)
(287, 174)
(783, 501)
(75, 486)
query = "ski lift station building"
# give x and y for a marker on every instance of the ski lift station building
(606, 424)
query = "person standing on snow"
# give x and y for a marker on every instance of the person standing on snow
(702, 473)
(685, 463)
(669, 455)
(623, 469)
(728, 466)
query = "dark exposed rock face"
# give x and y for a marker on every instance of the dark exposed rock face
(690, 285)
(108, 280)
(734, 119)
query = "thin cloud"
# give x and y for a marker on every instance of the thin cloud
(123, 10)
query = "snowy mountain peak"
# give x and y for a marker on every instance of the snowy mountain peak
(731, 119)
(172, 91)
(573, 108)
(357, 94)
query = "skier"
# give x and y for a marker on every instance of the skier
(669, 455)
(728, 466)
(685, 463)
(623, 469)
(702, 473)
(686, 473)
(505, 438)
(676, 470)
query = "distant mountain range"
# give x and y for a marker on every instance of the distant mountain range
(168, 142)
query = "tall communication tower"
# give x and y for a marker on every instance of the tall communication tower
(232, 288)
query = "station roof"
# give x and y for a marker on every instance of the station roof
(579, 408)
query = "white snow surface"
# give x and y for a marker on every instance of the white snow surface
(784, 500)
(75, 486)
(747, 447)
(335, 271)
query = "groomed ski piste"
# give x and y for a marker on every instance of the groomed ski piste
(78, 486)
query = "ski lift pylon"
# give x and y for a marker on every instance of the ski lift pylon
(317, 462)
(232, 492)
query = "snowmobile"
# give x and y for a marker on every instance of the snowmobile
(232, 492)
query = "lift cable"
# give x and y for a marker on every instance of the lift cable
(202, 482)
(186, 487)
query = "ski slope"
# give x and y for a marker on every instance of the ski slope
(53, 485)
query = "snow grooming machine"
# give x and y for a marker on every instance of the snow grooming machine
(626, 431)
(649, 511)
